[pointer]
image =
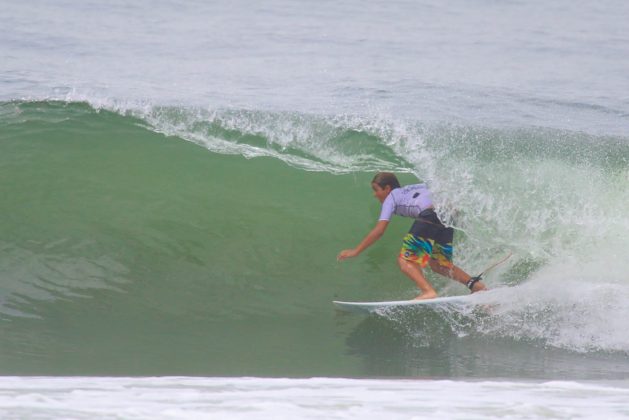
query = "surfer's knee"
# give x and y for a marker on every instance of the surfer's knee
(401, 262)
(405, 265)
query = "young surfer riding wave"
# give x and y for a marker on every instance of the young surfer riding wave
(428, 241)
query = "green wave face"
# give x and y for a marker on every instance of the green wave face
(127, 248)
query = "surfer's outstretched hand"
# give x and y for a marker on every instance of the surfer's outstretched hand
(346, 253)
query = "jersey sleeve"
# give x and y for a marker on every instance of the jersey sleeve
(388, 207)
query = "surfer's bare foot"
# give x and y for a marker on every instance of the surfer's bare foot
(427, 295)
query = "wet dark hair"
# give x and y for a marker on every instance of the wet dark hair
(386, 178)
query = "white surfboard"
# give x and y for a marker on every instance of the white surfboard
(370, 307)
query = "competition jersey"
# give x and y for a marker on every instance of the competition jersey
(407, 201)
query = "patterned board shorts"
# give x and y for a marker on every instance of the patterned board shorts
(428, 238)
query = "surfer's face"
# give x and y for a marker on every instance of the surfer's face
(379, 192)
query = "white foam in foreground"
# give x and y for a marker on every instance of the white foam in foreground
(318, 398)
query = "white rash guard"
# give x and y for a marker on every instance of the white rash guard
(407, 201)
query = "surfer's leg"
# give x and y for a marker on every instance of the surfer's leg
(441, 261)
(414, 255)
(455, 273)
(414, 272)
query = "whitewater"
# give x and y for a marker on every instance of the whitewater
(177, 179)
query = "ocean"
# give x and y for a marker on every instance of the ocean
(178, 177)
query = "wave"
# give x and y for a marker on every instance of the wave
(157, 398)
(118, 221)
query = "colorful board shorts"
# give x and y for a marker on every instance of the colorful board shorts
(428, 238)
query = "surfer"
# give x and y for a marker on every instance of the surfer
(428, 241)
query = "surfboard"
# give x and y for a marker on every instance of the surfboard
(371, 307)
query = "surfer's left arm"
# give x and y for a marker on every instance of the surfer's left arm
(371, 237)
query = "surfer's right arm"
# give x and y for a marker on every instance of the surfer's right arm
(371, 237)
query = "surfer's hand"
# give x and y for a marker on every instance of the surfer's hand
(347, 253)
